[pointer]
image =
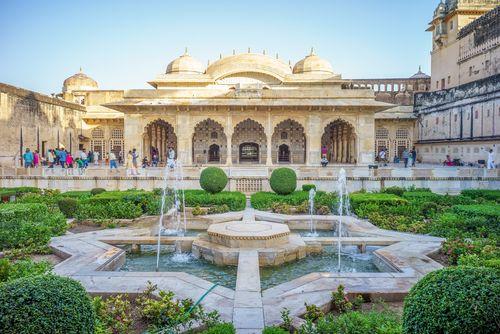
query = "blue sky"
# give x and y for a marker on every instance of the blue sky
(122, 44)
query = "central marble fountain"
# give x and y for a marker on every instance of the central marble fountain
(274, 243)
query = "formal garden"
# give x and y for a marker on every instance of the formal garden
(460, 298)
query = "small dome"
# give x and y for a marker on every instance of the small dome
(313, 64)
(420, 74)
(79, 81)
(185, 64)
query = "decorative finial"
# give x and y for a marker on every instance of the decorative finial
(289, 63)
(249, 50)
(81, 71)
(185, 51)
(220, 55)
(277, 56)
(312, 51)
(208, 62)
(420, 68)
(264, 51)
(234, 52)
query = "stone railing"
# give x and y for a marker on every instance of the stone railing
(432, 99)
(488, 45)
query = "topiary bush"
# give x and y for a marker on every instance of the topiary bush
(213, 180)
(45, 304)
(398, 191)
(307, 187)
(454, 300)
(68, 206)
(234, 199)
(283, 181)
(97, 191)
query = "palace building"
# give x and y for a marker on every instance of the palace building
(252, 109)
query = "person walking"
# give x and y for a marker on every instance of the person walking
(171, 157)
(50, 158)
(28, 158)
(382, 157)
(62, 158)
(135, 159)
(84, 157)
(413, 156)
(96, 158)
(69, 159)
(112, 161)
(491, 160)
(406, 156)
(36, 159)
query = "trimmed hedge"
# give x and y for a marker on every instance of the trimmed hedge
(308, 187)
(108, 210)
(264, 200)
(487, 194)
(97, 191)
(236, 201)
(10, 271)
(376, 198)
(489, 211)
(454, 300)
(45, 304)
(213, 180)
(274, 330)
(68, 206)
(78, 194)
(28, 225)
(283, 181)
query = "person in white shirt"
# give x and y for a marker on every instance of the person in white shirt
(96, 158)
(112, 161)
(491, 160)
(382, 157)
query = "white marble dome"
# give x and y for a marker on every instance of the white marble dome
(313, 64)
(79, 81)
(185, 64)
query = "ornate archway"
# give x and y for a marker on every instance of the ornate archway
(158, 136)
(291, 134)
(339, 138)
(249, 143)
(209, 143)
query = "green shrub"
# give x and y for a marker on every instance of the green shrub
(283, 181)
(218, 209)
(489, 211)
(49, 200)
(45, 304)
(28, 225)
(97, 191)
(282, 208)
(379, 198)
(68, 206)
(197, 211)
(308, 187)
(108, 210)
(19, 191)
(222, 328)
(78, 194)
(113, 314)
(264, 200)
(236, 201)
(398, 191)
(454, 300)
(356, 322)
(213, 180)
(487, 194)
(274, 330)
(22, 268)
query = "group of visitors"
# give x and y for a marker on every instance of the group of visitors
(155, 159)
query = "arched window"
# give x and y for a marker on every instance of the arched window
(214, 153)
(284, 135)
(283, 154)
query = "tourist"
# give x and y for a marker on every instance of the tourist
(171, 157)
(50, 158)
(406, 156)
(324, 161)
(413, 156)
(62, 158)
(56, 156)
(96, 158)
(448, 162)
(135, 158)
(120, 157)
(28, 158)
(491, 160)
(36, 159)
(69, 160)
(80, 163)
(155, 160)
(324, 151)
(90, 158)
(112, 161)
(145, 162)
(84, 157)
(382, 156)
